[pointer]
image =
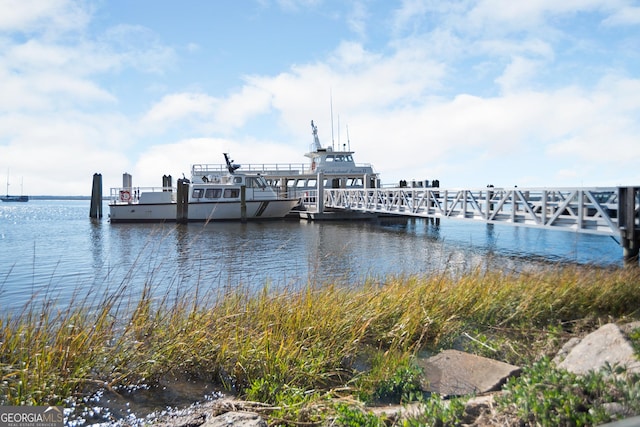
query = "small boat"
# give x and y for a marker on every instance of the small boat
(11, 198)
(210, 195)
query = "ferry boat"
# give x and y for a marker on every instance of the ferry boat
(336, 168)
(208, 196)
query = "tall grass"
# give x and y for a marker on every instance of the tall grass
(321, 340)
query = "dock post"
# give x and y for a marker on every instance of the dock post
(95, 211)
(628, 224)
(166, 182)
(243, 203)
(182, 202)
(320, 195)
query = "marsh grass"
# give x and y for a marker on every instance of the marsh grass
(297, 346)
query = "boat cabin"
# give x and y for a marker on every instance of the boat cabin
(217, 187)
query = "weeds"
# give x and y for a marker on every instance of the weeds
(296, 348)
(547, 396)
(352, 416)
(438, 413)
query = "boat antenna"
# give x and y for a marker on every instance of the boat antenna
(339, 131)
(331, 106)
(348, 140)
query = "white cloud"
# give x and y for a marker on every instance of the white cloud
(518, 74)
(357, 19)
(174, 107)
(505, 16)
(49, 16)
(239, 107)
(625, 16)
(137, 47)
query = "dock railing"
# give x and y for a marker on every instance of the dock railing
(609, 211)
(587, 210)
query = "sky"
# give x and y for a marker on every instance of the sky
(536, 93)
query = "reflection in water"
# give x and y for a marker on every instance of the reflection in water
(52, 250)
(491, 238)
(97, 239)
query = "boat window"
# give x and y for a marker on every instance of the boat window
(262, 182)
(257, 182)
(349, 158)
(237, 180)
(231, 193)
(197, 193)
(213, 193)
(339, 158)
(329, 158)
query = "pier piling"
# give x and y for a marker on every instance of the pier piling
(95, 210)
(320, 194)
(166, 182)
(627, 221)
(182, 201)
(243, 204)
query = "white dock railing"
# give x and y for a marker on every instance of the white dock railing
(585, 210)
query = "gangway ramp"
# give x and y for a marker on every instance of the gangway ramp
(612, 211)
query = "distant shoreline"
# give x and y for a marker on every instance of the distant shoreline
(61, 198)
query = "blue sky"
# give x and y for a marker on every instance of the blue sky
(537, 93)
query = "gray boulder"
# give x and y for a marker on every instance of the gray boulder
(230, 419)
(456, 373)
(607, 345)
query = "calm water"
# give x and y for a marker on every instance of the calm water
(52, 250)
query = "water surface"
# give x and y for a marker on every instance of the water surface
(51, 249)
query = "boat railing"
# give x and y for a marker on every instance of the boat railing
(129, 195)
(272, 169)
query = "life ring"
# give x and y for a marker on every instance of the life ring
(125, 195)
(313, 165)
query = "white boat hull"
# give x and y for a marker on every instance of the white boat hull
(201, 211)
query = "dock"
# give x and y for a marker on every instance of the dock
(607, 211)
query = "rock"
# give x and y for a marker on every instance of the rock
(455, 373)
(477, 408)
(606, 345)
(629, 422)
(616, 410)
(191, 417)
(217, 413)
(566, 349)
(230, 419)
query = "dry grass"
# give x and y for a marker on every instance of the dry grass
(309, 339)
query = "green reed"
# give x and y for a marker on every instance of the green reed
(300, 343)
